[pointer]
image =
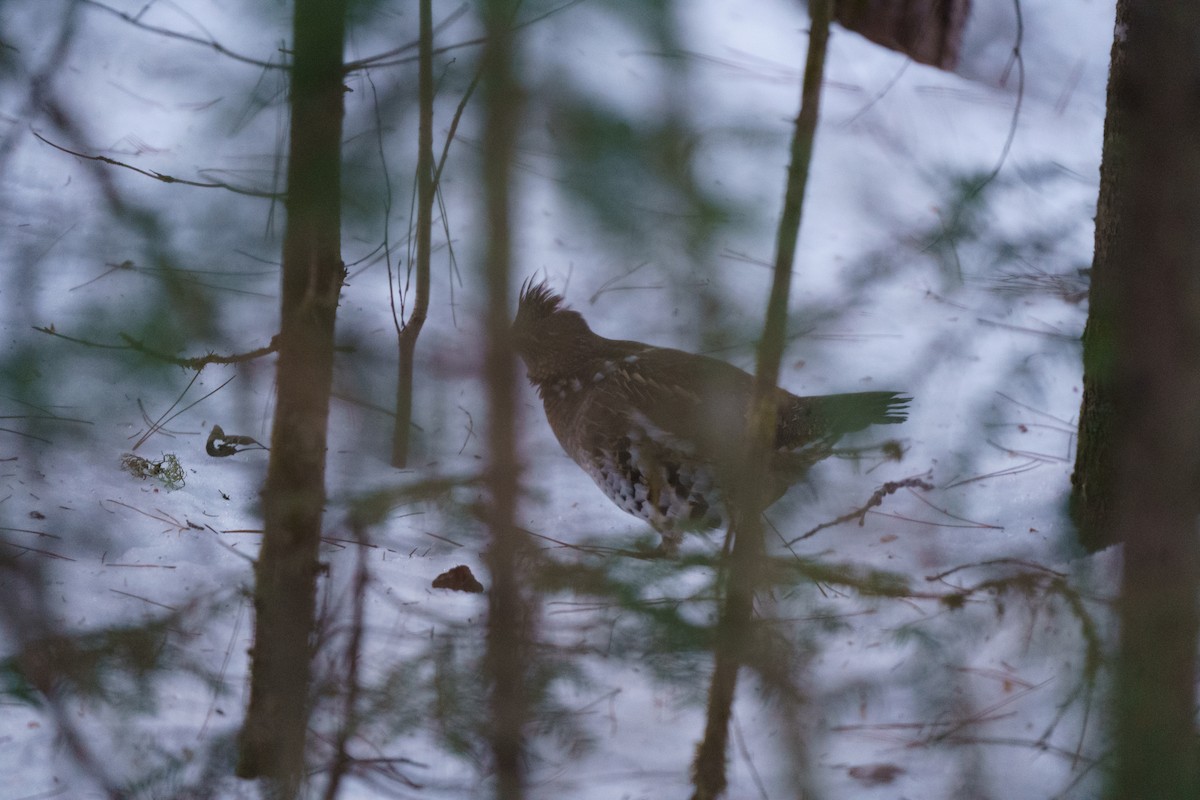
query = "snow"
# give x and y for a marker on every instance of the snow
(912, 275)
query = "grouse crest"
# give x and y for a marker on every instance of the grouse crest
(655, 427)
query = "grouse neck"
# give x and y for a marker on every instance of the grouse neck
(555, 360)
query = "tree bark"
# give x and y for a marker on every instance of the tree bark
(1093, 482)
(1155, 283)
(927, 31)
(510, 626)
(272, 739)
(411, 329)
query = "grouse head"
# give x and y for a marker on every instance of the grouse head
(550, 338)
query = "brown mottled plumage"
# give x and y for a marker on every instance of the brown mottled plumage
(656, 428)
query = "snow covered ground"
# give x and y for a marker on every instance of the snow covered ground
(914, 275)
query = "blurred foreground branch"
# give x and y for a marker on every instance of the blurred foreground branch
(735, 630)
(510, 616)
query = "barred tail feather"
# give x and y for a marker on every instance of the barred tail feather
(846, 413)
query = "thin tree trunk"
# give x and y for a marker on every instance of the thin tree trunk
(747, 560)
(1156, 402)
(1093, 482)
(273, 735)
(509, 612)
(411, 329)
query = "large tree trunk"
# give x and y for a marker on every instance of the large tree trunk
(1093, 482)
(273, 736)
(1155, 283)
(927, 31)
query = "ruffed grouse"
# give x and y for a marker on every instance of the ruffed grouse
(656, 428)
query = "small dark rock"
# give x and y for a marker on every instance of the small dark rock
(458, 579)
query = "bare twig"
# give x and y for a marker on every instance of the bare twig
(230, 647)
(27, 549)
(161, 516)
(1001, 473)
(379, 59)
(158, 176)
(1016, 562)
(170, 34)
(196, 363)
(1038, 411)
(458, 112)
(891, 487)
(941, 510)
(608, 285)
(164, 419)
(27, 435)
(124, 265)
